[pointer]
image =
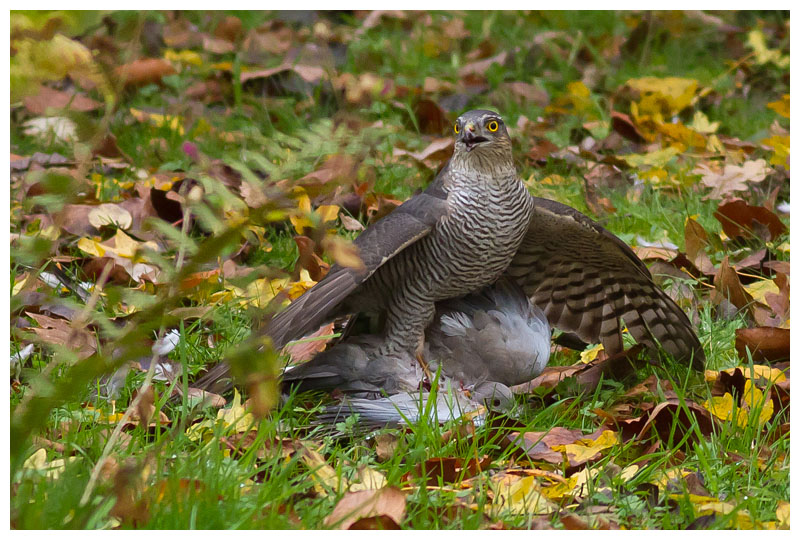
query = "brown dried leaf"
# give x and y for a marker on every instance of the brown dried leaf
(309, 260)
(696, 240)
(537, 444)
(229, 28)
(549, 378)
(527, 93)
(385, 446)
(146, 410)
(766, 344)
(144, 71)
(431, 119)
(670, 421)
(388, 502)
(436, 152)
(727, 286)
(310, 74)
(349, 223)
(302, 352)
(48, 98)
(741, 219)
(478, 68)
(450, 469)
(622, 124)
(61, 332)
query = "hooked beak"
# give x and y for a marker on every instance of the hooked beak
(470, 139)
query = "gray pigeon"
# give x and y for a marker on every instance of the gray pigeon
(493, 336)
(481, 344)
(408, 408)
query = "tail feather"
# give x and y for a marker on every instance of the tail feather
(311, 310)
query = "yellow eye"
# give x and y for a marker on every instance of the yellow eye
(492, 126)
(456, 128)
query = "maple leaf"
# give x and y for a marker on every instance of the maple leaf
(732, 178)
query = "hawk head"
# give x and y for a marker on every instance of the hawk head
(482, 141)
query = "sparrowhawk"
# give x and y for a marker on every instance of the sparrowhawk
(475, 223)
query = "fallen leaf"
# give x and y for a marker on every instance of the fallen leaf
(738, 218)
(109, 214)
(696, 241)
(522, 497)
(765, 344)
(388, 501)
(306, 348)
(144, 71)
(61, 333)
(732, 178)
(431, 119)
(479, 67)
(48, 98)
(727, 286)
(60, 127)
(437, 151)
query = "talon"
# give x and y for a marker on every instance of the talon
(424, 365)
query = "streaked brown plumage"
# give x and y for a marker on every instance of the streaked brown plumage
(454, 238)
(474, 223)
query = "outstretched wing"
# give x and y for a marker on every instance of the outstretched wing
(408, 223)
(586, 279)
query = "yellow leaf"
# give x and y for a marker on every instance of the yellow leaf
(576, 100)
(553, 179)
(759, 289)
(701, 123)
(300, 223)
(764, 55)
(369, 478)
(782, 513)
(521, 497)
(781, 106)
(682, 135)
(582, 479)
(780, 148)
(754, 399)
(714, 506)
(36, 460)
(657, 158)
(223, 66)
(110, 214)
(590, 353)
(328, 212)
(92, 247)
(51, 469)
(667, 95)
(720, 406)
(559, 490)
(236, 416)
(124, 245)
(343, 251)
(304, 204)
(325, 477)
(185, 57)
(585, 449)
(758, 371)
(175, 123)
(629, 472)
